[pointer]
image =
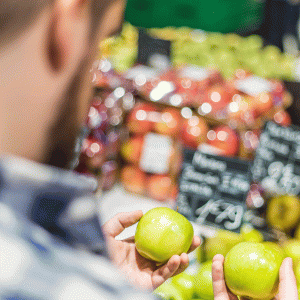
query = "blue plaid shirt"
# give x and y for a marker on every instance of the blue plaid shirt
(48, 221)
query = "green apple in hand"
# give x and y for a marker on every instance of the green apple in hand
(252, 270)
(203, 282)
(162, 233)
(185, 283)
(275, 246)
(168, 291)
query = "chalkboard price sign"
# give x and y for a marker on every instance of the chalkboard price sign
(277, 161)
(153, 52)
(213, 190)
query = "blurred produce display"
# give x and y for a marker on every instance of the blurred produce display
(152, 152)
(222, 96)
(101, 146)
(142, 119)
(245, 101)
(226, 52)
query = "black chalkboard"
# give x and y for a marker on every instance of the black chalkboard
(213, 190)
(148, 47)
(277, 160)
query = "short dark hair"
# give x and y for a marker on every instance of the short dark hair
(17, 15)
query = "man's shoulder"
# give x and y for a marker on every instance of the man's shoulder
(36, 266)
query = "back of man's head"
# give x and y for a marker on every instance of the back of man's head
(16, 16)
(46, 50)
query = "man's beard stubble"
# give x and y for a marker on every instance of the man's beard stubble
(63, 134)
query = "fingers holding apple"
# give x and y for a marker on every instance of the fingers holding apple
(252, 270)
(165, 236)
(195, 244)
(120, 222)
(220, 289)
(287, 287)
(162, 233)
(175, 265)
(287, 281)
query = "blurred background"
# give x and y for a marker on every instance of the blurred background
(197, 106)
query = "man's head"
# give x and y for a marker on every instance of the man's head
(46, 51)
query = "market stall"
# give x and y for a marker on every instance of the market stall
(203, 122)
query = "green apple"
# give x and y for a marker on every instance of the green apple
(225, 56)
(221, 243)
(297, 271)
(271, 52)
(216, 40)
(297, 233)
(292, 249)
(283, 212)
(168, 291)
(203, 282)
(275, 246)
(185, 283)
(233, 41)
(200, 255)
(213, 246)
(252, 270)
(162, 233)
(251, 43)
(251, 60)
(249, 234)
(287, 67)
(263, 70)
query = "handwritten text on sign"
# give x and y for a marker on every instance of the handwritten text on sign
(213, 190)
(277, 161)
(221, 212)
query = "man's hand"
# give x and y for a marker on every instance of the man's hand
(287, 281)
(140, 271)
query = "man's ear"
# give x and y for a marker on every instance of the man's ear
(68, 36)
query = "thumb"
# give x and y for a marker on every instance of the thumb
(287, 281)
(119, 222)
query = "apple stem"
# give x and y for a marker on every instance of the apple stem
(177, 208)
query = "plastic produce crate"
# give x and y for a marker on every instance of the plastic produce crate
(213, 15)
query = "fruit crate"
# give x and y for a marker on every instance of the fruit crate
(214, 15)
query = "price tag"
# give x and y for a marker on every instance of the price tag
(213, 190)
(156, 153)
(194, 73)
(147, 73)
(253, 85)
(277, 161)
(221, 213)
(153, 52)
